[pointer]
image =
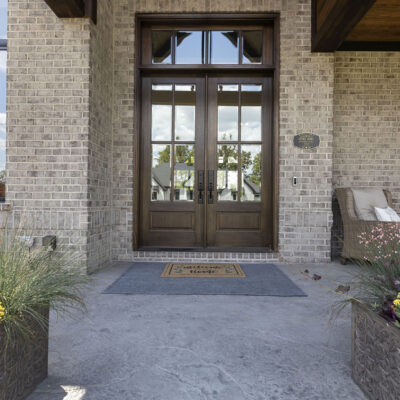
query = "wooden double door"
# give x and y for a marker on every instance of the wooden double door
(206, 162)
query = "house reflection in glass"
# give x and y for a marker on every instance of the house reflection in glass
(184, 182)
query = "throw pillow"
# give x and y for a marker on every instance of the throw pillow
(386, 214)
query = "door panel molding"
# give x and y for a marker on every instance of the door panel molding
(238, 221)
(172, 220)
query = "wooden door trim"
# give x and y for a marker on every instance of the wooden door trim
(140, 71)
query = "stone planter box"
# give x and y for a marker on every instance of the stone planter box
(375, 354)
(25, 364)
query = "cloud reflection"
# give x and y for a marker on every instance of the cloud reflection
(161, 122)
(251, 123)
(227, 123)
(184, 123)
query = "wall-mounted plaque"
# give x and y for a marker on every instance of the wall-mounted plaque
(306, 141)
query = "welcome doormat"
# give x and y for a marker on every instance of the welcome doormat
(261, 280)
(184, 270)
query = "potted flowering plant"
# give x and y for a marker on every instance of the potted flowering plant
(31, 282)
(376, 313)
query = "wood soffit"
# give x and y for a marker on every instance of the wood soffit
(336, 24)
(355, 25)
(380, 24)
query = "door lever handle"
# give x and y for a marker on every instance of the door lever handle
(210, 181)
(200, 186)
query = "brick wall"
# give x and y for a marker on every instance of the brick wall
(306, 105)
(305, 216)
(71, 125)
(70, 139)
(48, 122)
(367, 121)
(123, 132)
(100, 137)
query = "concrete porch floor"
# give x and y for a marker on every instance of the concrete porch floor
(203, 347)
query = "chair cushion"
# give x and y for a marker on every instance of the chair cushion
(386, 214)
(365, 200)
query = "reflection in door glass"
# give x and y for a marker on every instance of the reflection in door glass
(161, 111)
(250, 157)
(189, 47)
(251, 113)
(227, 174)
(224, 47)
(185, 106)
(184, 172)
(161, 172)
(161, 47)
(252, 47)
(228, 112)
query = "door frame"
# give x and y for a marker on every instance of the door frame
(236, 20)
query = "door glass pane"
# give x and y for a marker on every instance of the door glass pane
(161, 172)
(189, 47)
(161, 47)
(228, 112)
(184, 172)
(185, 112)
(224, 47)
(252, 47)
(251, 113)
(227, 174)
(161, 109)
(250, 156)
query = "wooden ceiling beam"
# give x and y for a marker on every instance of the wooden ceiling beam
(333, 20)
(74, 8)
(91, 10)
(67, 8)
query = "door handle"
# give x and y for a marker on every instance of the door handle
(200, 186)
(210, 186)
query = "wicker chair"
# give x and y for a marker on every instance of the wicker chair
(352, 226)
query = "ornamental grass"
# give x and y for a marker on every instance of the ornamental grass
(32, 280)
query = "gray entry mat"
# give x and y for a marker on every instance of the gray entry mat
(261, 280)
